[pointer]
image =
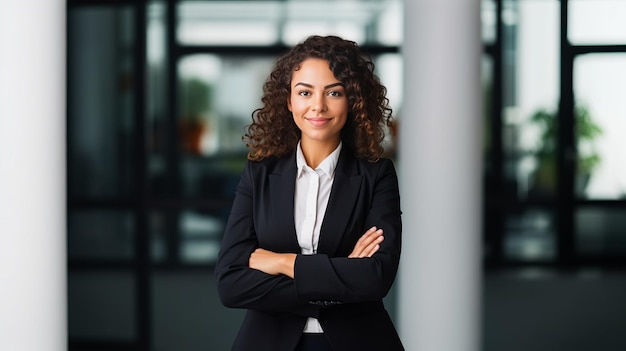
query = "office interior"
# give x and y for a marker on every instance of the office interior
(159, 94)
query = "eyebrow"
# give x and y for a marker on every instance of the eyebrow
(326, 87)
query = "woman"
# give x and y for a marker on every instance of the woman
(312, 243)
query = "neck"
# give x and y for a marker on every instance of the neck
(315, 152)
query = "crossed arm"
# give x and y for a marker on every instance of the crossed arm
(283, 281)
(283, 263)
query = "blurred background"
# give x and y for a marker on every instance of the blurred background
(159, 93)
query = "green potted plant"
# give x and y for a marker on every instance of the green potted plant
(587, 156)
(194, 97)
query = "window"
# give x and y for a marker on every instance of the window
(554, 172)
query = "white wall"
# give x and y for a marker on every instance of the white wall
(32, 176)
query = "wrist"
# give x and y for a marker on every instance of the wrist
(287, 264)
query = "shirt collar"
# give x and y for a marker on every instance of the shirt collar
(327, 166)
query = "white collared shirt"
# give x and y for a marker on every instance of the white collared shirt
(311, 198)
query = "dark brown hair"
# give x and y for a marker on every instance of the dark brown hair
(273, 131)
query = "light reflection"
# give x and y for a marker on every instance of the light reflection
(272, 22)
(530, 236)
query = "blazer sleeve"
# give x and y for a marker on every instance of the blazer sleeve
(349, 280)
(240, 286)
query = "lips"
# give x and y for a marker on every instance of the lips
(318, 121)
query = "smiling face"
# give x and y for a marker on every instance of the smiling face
(318, 103)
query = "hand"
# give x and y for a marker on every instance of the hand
(272, 263)
(368, 243)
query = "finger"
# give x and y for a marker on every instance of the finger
(369, 238)
(367, 234)
(251, 260)
(370, 249)
(364, 244)
(254, 257)
(372, 252)
(374, 247)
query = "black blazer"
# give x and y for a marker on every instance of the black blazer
(344, 294)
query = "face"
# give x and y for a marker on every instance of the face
(318, 103)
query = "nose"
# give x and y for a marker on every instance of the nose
(319, 104)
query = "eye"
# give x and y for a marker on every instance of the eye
(304, 93)
(335, 93)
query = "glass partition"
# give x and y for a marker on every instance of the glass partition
(600, 231)
(216, 97)
(530, 96)
(530, 235)
(189, 236)
(597, 22)
(101, 234)
(601, 126)
(100, 84)
(217, 94)
(488, 21)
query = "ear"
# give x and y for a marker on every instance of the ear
(289, 104)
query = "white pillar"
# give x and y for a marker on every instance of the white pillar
(32, 176)
(440, 167)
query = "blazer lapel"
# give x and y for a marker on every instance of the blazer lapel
(343, 195)
(281, 202)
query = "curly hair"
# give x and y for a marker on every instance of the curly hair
(273, 131)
